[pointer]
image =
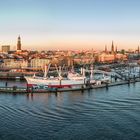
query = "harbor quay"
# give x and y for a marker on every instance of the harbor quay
(82, 88)
(73, 80)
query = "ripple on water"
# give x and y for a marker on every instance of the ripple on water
(96, 115)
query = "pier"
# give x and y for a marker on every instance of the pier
(17, 89)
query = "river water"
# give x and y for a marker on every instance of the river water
(99, 114)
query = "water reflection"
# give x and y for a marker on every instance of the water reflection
(11, 83)
(93, 114)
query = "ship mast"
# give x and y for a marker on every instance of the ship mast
(84, 72)
(59, 71)
(46, 70)
(91, 72)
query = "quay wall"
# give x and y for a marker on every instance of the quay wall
(16, 89)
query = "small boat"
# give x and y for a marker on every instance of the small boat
(17, 78)
(105, 79)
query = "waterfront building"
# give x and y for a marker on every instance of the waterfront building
(39, 63)
(14, 63)
(5, 48)
(111, 57)
(65, 60)
(106, 57)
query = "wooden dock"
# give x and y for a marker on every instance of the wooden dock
(16, 89)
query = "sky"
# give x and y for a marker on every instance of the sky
(70, 24)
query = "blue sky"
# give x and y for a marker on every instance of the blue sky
(58, 24)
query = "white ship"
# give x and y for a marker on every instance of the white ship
(73, 79)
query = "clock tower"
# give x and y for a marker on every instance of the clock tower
(19, 44)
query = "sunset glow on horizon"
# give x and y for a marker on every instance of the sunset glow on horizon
(70, 24)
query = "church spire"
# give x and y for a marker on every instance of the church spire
(112, 48)
(19, 43)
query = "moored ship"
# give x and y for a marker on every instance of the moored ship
(73, 79)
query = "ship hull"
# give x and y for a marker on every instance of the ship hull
(54, 82)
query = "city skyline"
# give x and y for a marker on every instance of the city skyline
(69, 24)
